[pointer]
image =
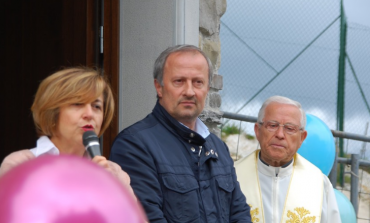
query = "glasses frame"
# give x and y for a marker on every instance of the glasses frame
(282, 125)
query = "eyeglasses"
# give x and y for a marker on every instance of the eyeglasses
(288, 128)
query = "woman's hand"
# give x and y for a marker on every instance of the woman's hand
(14, 159)
(116, 171)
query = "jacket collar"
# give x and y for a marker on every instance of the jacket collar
(176, 127)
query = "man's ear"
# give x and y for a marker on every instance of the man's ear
(158, 88)
(256, 130)
(303, 136)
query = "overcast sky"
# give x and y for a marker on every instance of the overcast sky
(358, 11)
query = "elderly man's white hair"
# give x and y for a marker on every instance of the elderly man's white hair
(282, 100)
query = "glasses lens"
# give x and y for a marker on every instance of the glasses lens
(290, 129)
(272, 126)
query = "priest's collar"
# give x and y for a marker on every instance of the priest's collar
(272, 171)
(285, 165)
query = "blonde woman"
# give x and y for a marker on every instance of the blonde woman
(68, 103)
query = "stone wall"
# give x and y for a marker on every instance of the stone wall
(210, 12)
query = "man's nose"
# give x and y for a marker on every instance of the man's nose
(280, 132)
(189, 89)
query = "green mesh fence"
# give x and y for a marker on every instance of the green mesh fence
(292, 48)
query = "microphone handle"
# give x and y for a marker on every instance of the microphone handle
(93, 148)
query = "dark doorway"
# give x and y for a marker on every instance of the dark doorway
(39, 37)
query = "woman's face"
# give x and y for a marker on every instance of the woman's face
(74, 120)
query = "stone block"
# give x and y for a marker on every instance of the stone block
(210, 12)
(217, 82)
(213, 50)
(221, 6)
(209, 116)
(214, 100)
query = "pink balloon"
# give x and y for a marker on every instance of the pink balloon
(58, 189)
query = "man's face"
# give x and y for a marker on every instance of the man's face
(185, 86)
(278, 148)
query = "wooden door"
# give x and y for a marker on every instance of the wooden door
(39, 37)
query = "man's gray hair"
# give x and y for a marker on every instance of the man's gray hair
(162, 58)
(282, 100)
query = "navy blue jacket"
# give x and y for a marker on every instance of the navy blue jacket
(177, 175)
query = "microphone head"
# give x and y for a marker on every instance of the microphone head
(89, 136)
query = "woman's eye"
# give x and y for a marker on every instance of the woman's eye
(77, 104)
(99, 107)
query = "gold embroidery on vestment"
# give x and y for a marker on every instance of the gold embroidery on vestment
(254, 213)
(300, 217)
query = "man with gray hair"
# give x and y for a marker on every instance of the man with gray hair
(282, 186)
(179, 171)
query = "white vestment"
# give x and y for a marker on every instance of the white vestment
(311, 196)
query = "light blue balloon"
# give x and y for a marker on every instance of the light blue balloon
(346, 210)
(319, 146)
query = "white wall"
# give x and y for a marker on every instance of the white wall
(147, 27)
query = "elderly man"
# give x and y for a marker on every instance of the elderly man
(282, 186)
(180, 171)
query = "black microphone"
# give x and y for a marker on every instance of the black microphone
(91, 143)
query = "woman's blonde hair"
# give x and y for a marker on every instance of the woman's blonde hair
(68, 86)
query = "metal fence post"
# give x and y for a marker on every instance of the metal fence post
(354, 180)
(341, 85)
